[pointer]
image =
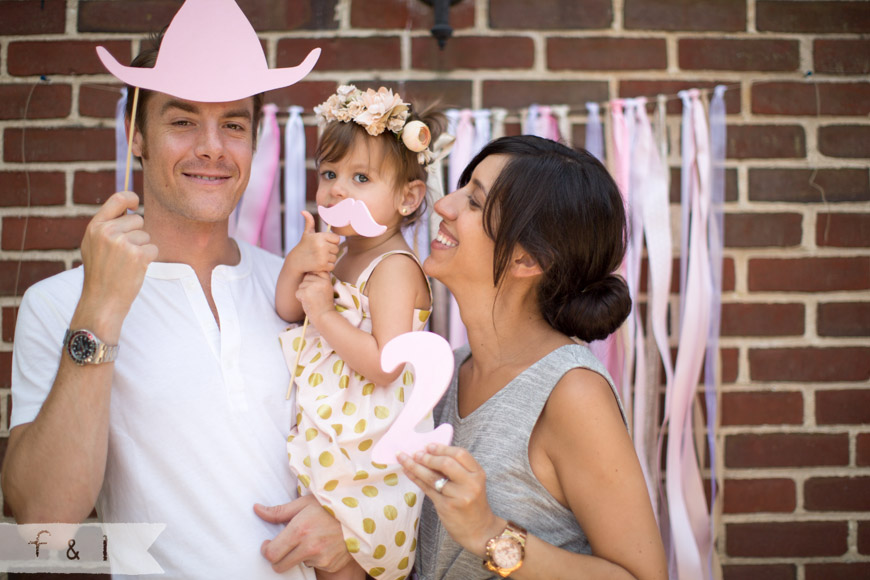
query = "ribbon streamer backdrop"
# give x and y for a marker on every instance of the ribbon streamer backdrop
(635, 150)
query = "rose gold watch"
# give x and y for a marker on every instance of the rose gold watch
(505, 552)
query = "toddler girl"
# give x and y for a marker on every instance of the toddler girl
(357, 297)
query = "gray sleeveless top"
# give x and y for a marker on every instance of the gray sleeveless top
(497, 435)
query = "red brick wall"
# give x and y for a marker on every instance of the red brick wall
(794, 448)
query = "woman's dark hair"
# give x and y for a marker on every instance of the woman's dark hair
(338, 138)
(563, 208)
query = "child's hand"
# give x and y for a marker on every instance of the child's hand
(316, 295)
(316, 251)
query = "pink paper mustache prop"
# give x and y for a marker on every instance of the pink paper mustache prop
(353, 212)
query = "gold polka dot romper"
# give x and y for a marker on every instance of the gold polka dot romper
(340, 417)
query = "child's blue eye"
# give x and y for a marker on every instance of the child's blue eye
(327, 174)
(359, 177)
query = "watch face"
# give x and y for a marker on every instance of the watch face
(507, 553)
(82, 346)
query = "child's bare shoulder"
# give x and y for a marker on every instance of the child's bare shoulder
(400, 273)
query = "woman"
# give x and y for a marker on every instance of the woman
(543, 481)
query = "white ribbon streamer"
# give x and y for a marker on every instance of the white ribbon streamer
(498, 117)
(460, 156)
(294, 178)
(482, 129)
(121, 143)
(690, 529)
(562, 123)
(716, 242)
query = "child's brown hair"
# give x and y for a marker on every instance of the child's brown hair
(338, 137)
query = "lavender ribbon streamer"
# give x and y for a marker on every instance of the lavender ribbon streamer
(594, 132)
(687, 144)
(121, 143)
(716, 242)
(529, 118)
(294, 178)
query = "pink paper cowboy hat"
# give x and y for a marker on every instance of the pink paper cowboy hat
(210, 53)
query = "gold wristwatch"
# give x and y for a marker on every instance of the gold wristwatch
(505, 552)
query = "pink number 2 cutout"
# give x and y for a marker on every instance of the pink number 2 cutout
(432, 360)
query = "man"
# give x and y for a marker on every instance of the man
(184, 423)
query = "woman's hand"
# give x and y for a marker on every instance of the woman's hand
(461, 504)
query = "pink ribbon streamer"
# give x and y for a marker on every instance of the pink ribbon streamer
(264, 171)
(650, 189)
(611, 350)
(690, 526)
(270, 236)
(546, 125)
(294, 178)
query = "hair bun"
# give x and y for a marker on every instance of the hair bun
(595, 312)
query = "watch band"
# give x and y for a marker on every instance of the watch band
(514, 536)
(84, 348)
(105, 353)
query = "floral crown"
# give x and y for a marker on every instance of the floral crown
(377, 112)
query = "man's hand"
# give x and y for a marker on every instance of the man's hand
(116, 252)
(311, 537)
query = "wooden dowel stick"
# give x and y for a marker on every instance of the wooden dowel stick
(130, 139)
(299, 352)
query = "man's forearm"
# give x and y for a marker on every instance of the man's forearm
(54, 466)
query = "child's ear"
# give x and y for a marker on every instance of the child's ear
(523, 265)
(412, 196)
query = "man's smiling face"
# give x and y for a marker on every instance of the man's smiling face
(196, 157)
